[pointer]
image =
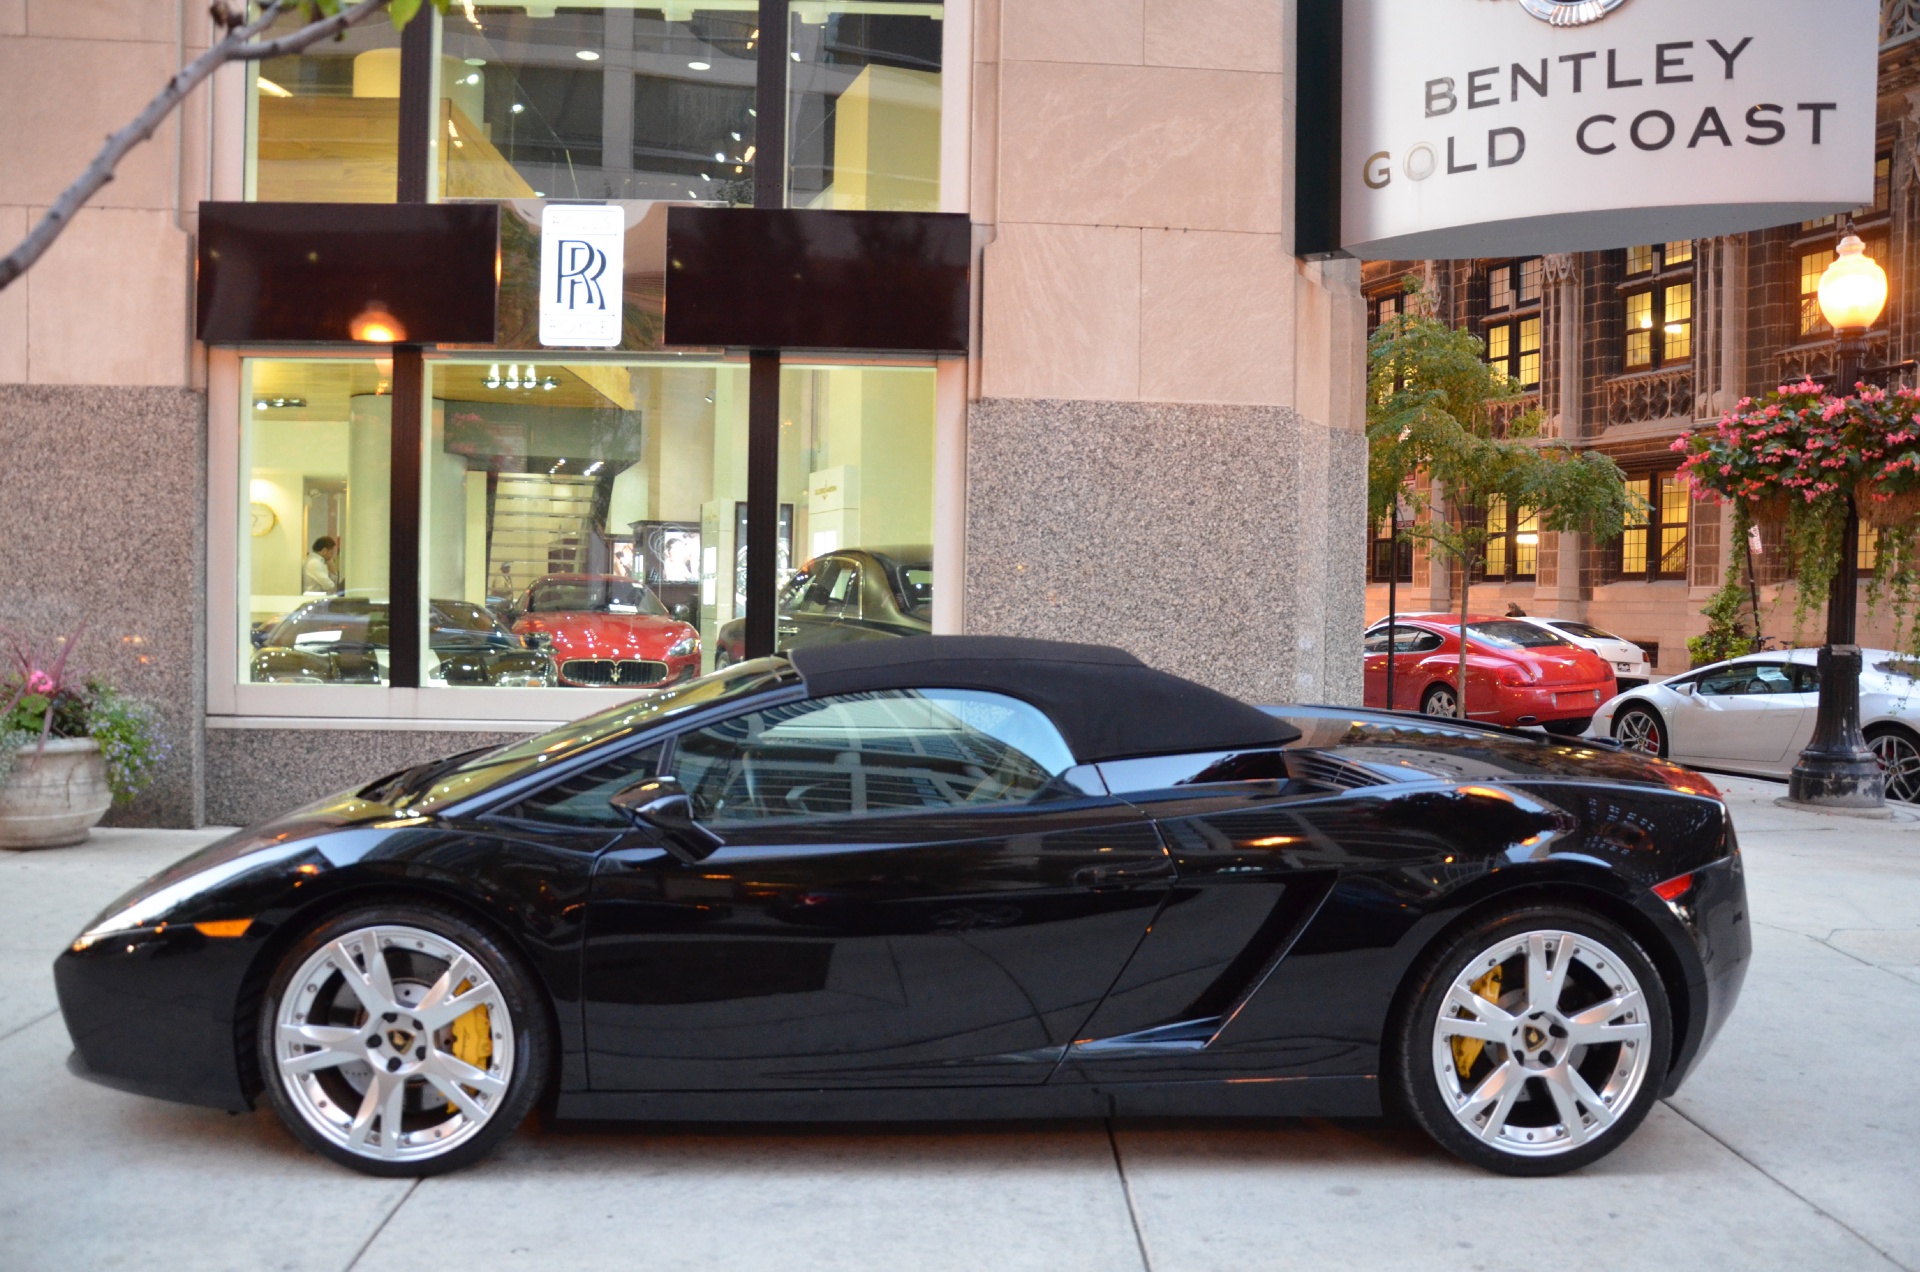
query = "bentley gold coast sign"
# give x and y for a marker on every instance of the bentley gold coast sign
(1507, 127)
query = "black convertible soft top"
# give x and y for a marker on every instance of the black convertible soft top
(1107, 704)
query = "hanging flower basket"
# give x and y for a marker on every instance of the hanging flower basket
(1887, 508)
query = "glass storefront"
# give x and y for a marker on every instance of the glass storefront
(863, 106)
(315, 461)
(324, 125)
(609, 102)
(582, 523)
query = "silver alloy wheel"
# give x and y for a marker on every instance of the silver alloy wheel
(1637, 730)
(1557, 1058)
(1901, 759)
(366, 1056)
(1440, 702)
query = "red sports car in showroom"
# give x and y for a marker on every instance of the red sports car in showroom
(608, 630)
(1517, 674)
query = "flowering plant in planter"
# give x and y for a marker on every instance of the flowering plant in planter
(43, 700)
(1799, 455)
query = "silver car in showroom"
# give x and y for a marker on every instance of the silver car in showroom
(1755, 715)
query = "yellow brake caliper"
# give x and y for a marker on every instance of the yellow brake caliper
(473, 1036)
(1467, 1050)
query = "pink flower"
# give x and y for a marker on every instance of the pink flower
(39, 682)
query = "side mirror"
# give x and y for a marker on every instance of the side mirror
(538, 640)
(663, 806)
(1685, 691)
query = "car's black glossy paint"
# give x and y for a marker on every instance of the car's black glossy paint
(1141, 942)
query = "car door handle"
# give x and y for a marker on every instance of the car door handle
(787, 629)
(1116, 876)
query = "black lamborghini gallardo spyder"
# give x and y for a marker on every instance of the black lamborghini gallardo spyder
(943, 877)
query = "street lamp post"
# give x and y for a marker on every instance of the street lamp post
(1837, 770)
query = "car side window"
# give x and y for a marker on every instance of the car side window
(872, 754)
(582, 799)
(1746, 679)
(828, 582)
(1805, 679)
(1377, 642)
(1421, 643)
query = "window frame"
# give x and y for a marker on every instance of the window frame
(1668, 272)
(1512, 527)
(1518, 319)
(1655, 528)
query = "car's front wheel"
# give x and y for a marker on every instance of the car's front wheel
(402, 1040)
(1640, 728)
(1899, 754)
(1533, 1042)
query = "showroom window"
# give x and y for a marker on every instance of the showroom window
(1658, 298)
(1513, 543)
(1654, 544)
(313, 577)
(1513, 319)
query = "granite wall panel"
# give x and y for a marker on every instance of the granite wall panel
(102, 497)
(1224, 543)
(254, 774)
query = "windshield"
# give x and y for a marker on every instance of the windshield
(1584, 631)
(465, 616)
(917, 580)
(606, 596)
(1502, 635)
(338, 620)
(431, 787)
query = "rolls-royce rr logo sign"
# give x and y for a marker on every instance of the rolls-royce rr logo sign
(1570, 13)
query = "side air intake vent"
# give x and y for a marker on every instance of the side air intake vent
(1321, 769)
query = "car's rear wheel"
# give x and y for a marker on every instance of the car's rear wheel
(721, 658)
(402, 1040)
(1639, 728)
(1899, 754)
(1534, 1042)
(1440, 701)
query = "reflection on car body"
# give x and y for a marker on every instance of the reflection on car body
(346, 639)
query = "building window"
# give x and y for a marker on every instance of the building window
(1382, 310)
(1512, 324)
(1658, 299)
(324, 125)
(863, 106)
(1382, 552)
(1654, 544)
(1513, 543)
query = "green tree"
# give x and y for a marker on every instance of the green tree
(1431, 409)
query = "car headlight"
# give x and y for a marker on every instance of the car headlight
(686, 646)
(522, 679)
(141, 911)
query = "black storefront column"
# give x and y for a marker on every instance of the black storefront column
(763, 383)
(409, 372)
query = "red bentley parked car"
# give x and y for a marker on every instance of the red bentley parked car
(1517, 674)
(607, 629)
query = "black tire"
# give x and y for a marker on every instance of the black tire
(1431, 702)
(524, 1050)
(1416, 1069)
(721, 658)
(1898, 751)
(1655, 729)
(1568, 728)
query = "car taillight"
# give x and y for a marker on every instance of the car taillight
(1512, 674)
(1675, 888)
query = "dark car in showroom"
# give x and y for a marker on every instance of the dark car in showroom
(943, 877)
(345, 640)
(851, 595)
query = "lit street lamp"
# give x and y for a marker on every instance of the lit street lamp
(1837, 770)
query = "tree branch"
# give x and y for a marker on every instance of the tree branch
(233, 46)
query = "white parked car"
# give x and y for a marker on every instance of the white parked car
(1631, 669)
(1755, 715)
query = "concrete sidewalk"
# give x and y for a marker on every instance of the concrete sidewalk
(1796, 1144)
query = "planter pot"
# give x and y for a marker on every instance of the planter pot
(1889, 511)
(55, 798)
